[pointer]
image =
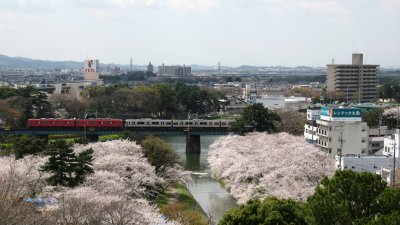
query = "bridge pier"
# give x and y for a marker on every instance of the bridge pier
(92, 137)
(192, 143)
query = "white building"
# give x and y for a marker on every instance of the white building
(340, 131)
(91, 69)
(359, 163)
(390, 143)
(310, 133)
(313, 115)
(74, 89)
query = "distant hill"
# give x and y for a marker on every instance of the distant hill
(7, 62)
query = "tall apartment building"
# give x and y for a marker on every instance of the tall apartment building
(174, 70)
(356, 81)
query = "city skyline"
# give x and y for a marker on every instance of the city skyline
(257, 32)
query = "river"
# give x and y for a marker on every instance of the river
(208, 192)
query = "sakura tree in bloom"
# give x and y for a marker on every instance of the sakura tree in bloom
(116, 192)
(20, 179)
(258, 165)
(84, 205)
(23, 175)
(391, 112)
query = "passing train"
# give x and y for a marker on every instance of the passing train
(106, 123)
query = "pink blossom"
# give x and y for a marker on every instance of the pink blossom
(259, 164)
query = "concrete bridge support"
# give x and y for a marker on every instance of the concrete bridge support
(92, 137)
(192, 143)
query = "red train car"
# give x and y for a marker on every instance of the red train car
(99, 123)
(51, 123)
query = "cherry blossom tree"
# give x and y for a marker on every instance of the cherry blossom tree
(117, 191)
(259, 165)
(20, 179)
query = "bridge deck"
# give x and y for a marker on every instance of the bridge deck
(159, 132)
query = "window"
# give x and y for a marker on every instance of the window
(353, 167)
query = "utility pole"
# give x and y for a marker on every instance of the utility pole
(394, 162)
(341, 147)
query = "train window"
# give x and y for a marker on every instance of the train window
(92, 122)
(223, 123)
(154, 123)
(168, 123)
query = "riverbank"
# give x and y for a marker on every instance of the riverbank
(178, 204)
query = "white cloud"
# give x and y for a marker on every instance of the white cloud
(124, 3)
(322, 6)
(25, 3)
(391, 5)
(201, 5)
(100, 13)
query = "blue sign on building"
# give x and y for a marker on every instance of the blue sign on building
(340, 114)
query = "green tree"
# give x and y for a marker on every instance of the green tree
(82, 166)
(27, 145)
(197, 100)
(66, 168)
(237, 79)
(270, 211)
(60, 163)
(159, 154)
(373, 117)
(255, 118)
(346, 198)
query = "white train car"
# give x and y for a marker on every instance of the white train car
(197, 123)
(147, 123)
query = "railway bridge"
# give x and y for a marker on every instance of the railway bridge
(192, 134)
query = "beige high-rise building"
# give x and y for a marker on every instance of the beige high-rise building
(357, 82)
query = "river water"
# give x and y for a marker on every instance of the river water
(208, 192)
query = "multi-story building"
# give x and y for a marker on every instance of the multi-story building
(150, 67)
(341, 132)
(356, 82)
(174, 70)
(391, 144)
(91, 69)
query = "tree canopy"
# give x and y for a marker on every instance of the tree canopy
(345, 199)
(255, 118)
(159, 154)
(270, 211)
(67, 169)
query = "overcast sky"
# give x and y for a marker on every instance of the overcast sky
(235, 32)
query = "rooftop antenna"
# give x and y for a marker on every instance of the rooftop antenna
(333, 61)
(219, 66)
